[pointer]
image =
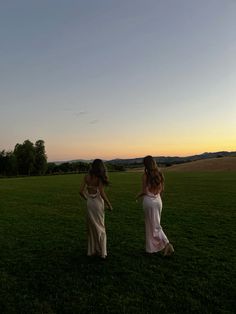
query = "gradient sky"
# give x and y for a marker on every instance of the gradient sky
(118, 78)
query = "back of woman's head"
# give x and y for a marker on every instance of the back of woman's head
(154, 176)
(98, 170)
(150, 163)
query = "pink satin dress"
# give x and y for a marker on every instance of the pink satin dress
(156, 240)
(97, 240)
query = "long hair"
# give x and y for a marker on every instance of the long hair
(154, 176)
(98, 170)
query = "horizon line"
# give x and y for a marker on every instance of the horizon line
(159, 156)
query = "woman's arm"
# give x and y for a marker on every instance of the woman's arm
(104, 196)
(82, 188)
(162, 184)
(144, 186)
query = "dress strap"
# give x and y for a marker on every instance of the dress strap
(92, 195)
(150, 194)
(92, 186)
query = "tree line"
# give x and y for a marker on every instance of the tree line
(26, 159)
(77, 167)
(67, 167)
(30, 159)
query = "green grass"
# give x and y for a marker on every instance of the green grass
(43, 262)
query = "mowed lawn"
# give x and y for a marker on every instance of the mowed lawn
(43, 262)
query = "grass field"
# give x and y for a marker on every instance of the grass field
(43, 262)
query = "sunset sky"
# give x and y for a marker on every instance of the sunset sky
(118, 78)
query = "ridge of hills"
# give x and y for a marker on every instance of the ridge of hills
(161, 160)
(171, 160)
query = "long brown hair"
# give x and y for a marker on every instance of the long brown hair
(98, 170)
(154, 176)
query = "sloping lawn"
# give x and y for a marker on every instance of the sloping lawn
(43, 262)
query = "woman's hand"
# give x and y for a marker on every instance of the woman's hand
(141, 194)
(110, 208)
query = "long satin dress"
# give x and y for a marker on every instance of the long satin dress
(156, 240)
(97, 240)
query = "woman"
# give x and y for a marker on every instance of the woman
(152, 187)
(92, 190)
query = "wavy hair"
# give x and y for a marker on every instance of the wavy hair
(154, 176)
(98, 170)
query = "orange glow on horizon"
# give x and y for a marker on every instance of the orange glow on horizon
(139, 146)
(73, 155)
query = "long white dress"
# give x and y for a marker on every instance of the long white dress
(156, 240)
(97, 240)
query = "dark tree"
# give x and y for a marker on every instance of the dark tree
(11, 164)
(25, 157)
(2, 162)
(40, 162)
(51, 168)
(8, 166)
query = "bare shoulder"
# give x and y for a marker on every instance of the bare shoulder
(144, 178)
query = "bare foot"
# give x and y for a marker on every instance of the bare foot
(169, 250)
(103, 258)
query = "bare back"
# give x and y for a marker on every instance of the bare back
(92, 183)
(152, 189)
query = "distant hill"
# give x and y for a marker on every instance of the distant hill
(168, 161)
(164, 161)
(211, 164)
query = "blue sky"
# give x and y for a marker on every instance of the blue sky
(118, 78)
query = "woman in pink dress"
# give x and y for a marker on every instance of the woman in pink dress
(152, 187)
(92, 190)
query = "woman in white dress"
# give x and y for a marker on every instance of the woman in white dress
(92, 190)
(152, 187)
